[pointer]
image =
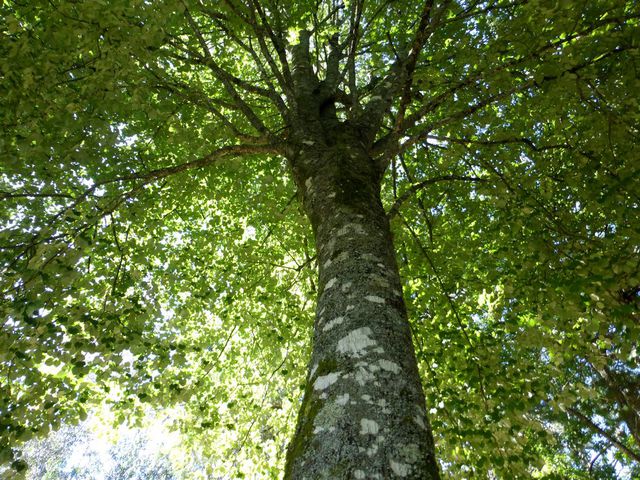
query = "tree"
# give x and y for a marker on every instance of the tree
(153, 156)
(78, 452)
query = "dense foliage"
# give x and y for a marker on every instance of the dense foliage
(153, 251)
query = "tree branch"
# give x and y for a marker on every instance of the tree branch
(388, 141)
(353, 38)
(425, 29)
(279, 45)
(256, 58)
(479, 105)
(223, 152)
(395, 208)
(609, 436)
(469, 141)
(16, 194)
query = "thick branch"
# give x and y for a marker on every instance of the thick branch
(333, 76)
(354, 38)
(303, 75)
(399, 78)
(425, 29)
(278, 44)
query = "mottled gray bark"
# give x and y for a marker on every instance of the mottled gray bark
(363, 414)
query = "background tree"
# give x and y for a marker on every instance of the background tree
(79, 452)
(153, 158)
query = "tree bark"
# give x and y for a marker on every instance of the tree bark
(363, 413)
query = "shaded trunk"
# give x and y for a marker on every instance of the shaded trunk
(363, 413)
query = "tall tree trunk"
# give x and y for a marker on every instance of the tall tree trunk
(363, 413)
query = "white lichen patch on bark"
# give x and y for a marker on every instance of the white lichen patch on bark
(400, 469)
(343, 399)
(329, 416)
(382, 403)
(333, 323)
(330, 283)
(389, 366)
(350, 307)
(372, 450)
(359, 475)
(313, 370)
(329, 246)
(374, 368)
(368, 427)
(379, 280)
(362, 376)
(356, 342)
(309, 183)
(410, 453)
(342, 257)
(326, 380)
(327, 263)
(374, 299)
(356, 228)
(346, 286)
(419, 419)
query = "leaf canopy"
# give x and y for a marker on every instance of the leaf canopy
(153, 250)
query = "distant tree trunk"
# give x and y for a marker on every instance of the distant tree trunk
(363, 413)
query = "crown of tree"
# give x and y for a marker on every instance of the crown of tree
(249, 210)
